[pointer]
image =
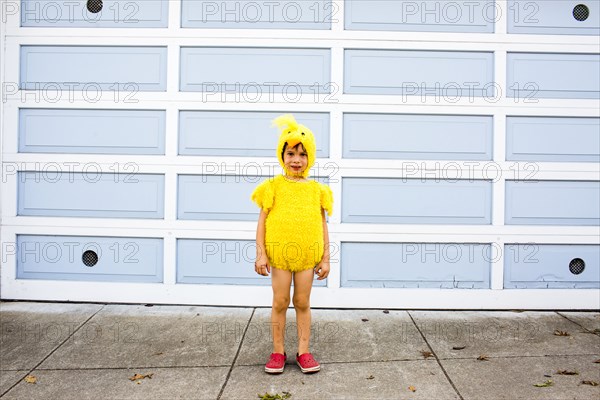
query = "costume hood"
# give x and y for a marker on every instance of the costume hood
(293, 133)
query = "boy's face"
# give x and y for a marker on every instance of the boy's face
(295, 159)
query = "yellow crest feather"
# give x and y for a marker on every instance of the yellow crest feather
(286, 121)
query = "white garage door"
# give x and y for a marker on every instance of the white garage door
(461, 140)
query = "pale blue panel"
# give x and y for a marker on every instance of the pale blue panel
(88, 69)
(553, 139)
(120, 259)
(416, 265)
(217, 197)
(416, 201)
(417, 137)
(220, 262)
(418, 16)
(554, 76)
(554, 17)
(251, 14)
(231, 133)
(91, 131)
(450, 75)
(90, 193)
(113, 14)
(552, 203)
(542, 266)
(254, 73)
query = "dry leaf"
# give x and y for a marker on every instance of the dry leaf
(545, 384)
(277, 396)
(591, 383)
(426, 354)
(459, 347)
(370, 377)
(483, 357)
(565, 372)
(597, 361)
(412, 389)
(364, 319)
(30, 379)
(137, 377)
(561, 333)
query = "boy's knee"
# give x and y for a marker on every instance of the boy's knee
(301, 303)
(280, 304)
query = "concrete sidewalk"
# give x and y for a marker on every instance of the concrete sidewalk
(89, 351)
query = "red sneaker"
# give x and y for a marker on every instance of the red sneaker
(276, 363)
(307, 363)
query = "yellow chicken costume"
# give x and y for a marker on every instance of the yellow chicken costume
(294, 225)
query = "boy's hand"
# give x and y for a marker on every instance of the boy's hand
(322, 270)
(262, 267)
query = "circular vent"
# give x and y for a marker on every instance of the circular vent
(94, 6)
(89, 258)
(576, 266)
(581, 12)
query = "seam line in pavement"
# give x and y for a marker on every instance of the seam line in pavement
(578, 324)
(53, 350)
(131, 367)
(237, 353)
(436, 357)
(440, 358)
(324, 363)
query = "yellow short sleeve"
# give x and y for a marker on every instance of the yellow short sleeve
(326, 199)
(264, 194)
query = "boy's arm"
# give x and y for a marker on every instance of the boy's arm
(261, 265)
(325, 237)
(322, 270)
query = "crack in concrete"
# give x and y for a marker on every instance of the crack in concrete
(436, 357)
(237, 353)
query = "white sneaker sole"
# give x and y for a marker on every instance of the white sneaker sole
(274, 370)
(309, 370)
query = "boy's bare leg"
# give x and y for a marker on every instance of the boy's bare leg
(303, 281)
(281, 281)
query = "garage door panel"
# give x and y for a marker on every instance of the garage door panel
(552, 203)
(416, 265)
(414, 137)
(95, 14)
(451, 74)
(416, 201)
(552, 139)
(556, 17)
(90, 258)
(91, 131)
(217, 197)
(265, 70)
(545, 266)
(90, 194)
(554, 76)
(87, 69)
(420, 16)
(250, 14)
